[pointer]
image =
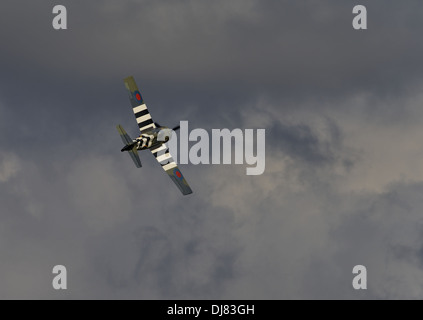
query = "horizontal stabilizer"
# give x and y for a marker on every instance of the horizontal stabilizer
(135, 157)
(125, 137)
(129, 142)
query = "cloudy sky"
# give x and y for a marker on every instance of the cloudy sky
(343, 186)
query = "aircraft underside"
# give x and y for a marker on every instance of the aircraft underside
(153, 137)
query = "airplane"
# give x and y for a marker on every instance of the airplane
(153, 137)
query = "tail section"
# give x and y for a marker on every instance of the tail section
(126, 139)
(134, 155)
(130, 146)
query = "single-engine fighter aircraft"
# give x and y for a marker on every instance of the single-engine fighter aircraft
(153, 137)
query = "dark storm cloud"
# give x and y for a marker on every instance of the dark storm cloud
(199, 57)
(341, 109)
(300, 142)
(191, 50)
(194, 258)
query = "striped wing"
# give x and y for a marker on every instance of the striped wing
(141, 112)
(169, 165)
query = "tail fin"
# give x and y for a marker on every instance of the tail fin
(128, 142)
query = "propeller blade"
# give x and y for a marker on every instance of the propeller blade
(176, 128)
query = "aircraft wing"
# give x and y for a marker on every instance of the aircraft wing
(169, 165)
(141, 112)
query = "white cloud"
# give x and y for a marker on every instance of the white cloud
(10, 165)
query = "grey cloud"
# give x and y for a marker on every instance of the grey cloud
(301, 142)
(263, 48)
(342, 181)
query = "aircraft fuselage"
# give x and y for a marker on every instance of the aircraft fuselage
(150, 139)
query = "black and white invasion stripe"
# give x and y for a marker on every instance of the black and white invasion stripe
(143, 117)
(163, 156)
